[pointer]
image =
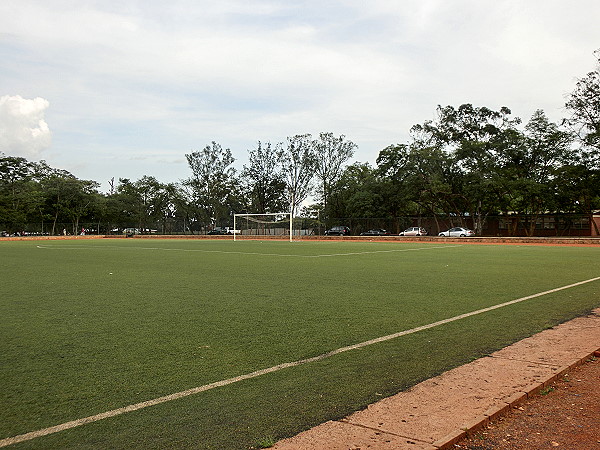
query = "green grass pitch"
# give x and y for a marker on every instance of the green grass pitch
(89, 326)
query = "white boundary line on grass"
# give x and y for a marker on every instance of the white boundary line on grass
(285, 255)
(167, 398)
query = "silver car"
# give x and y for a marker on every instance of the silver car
(457, 232)
(414, 231)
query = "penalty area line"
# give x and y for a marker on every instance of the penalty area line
(167, 398)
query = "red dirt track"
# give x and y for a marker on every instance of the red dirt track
(565, 241)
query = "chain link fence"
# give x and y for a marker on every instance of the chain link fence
(507, 225)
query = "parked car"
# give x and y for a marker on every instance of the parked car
(338, 231)
(414, 231)
(223, 230)
(457, 232)
(218, 230)
(375, 232)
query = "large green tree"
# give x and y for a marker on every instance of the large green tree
(19, 199)
(331, 154)
(264, 180)
(68, 199)
(530, 166)
(298, 163)
(357, 193)
(212, 186)
(475, 138)
(419, 179)
(35, 193)
(399, 187)
(146, 204)
(580, 181)
(584, 105)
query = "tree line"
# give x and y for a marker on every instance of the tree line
(278, 178)
(468, 161)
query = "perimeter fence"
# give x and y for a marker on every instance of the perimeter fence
(501, 225)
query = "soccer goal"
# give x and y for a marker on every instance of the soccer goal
(266, 225)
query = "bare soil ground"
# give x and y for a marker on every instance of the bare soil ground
(564, 415)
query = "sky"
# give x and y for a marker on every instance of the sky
(122, 89)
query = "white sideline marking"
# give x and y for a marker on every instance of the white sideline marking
(262, 254)
(115, 412)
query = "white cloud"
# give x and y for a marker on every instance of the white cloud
(23, 130)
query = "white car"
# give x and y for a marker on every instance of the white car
(457, 232)
(414, 231)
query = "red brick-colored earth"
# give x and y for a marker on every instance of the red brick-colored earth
(566, 415)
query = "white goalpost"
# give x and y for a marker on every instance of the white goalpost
(267, 225)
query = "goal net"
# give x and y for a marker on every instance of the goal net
(276, 225)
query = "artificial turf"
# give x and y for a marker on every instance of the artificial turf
(90, 326)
